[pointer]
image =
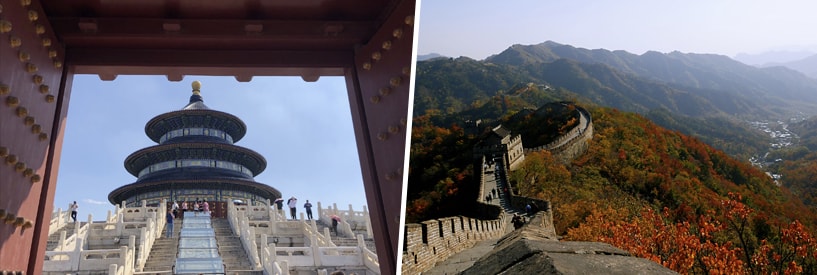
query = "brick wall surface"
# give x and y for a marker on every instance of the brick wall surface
(458, 233)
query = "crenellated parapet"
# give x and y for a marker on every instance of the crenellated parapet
(573, 143)
(432, 241)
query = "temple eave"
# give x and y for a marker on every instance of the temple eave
(231, 185)
(209, 118)
(138, 160)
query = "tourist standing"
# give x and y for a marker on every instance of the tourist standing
(308, 207)
(280, 203)
(175, 208)
(206, 207)
(292, 203)
(169, 225)
(184, 206)
(335, 220)
(518, 221)
(73, 208)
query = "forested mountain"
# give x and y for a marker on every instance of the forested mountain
(654, 180)
(798, 164)
(455, 86)
(775, 89)
(423, 57)
(807, 65)
(451, 85)
(713, 205)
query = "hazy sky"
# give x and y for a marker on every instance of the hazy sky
(479, 28)
(304, 130)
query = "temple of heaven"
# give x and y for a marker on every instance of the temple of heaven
(195, 159)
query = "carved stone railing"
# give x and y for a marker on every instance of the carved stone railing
(309, 256)
(271, 266)
(144, 222)
(239, 223)
(115, 261)
(347, 219)
(320, 238)
(262, 227)
(59, 219)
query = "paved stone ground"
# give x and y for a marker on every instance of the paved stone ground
(463, 260)
(466, 258)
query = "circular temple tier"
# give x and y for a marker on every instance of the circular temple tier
(195, 159)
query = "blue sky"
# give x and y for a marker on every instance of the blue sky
(303, 129)
(479, 28)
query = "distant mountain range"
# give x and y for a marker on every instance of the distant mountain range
(764, 58)
(697, 85)
(705, 95)
(424, 57)
(807, 66)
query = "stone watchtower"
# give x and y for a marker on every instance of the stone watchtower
(195, 159)
(501, 143)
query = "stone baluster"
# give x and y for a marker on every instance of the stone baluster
(360, 242)
(284, 267)
(313, 225)
(60, 219)
(368, 221)
(327, 234)
(76, 228)
(76, 257)
(272, 252)
(320, 211)
(316, 254)
(120, 224)
(265, 257)
(123, 256)
(253, 248)
(61, 243)
(88, 230)
(283, 214)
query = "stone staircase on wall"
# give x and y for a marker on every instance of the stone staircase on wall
(231, 250)
(163, 254)
(54, 239)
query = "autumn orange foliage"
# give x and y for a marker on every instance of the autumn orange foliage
(703, 246)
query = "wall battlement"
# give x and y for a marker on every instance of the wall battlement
(572, 144)
(431, 241)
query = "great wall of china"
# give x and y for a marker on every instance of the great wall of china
(431, 242)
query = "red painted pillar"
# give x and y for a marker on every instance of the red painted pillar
(34, 89)
(379, 95)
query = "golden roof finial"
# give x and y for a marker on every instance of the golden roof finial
(196, 87)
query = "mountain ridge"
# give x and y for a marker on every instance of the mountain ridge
(691, 70)
(807, 65)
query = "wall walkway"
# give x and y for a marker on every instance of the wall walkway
(430, 243)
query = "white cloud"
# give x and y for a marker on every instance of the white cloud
(92, 201)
